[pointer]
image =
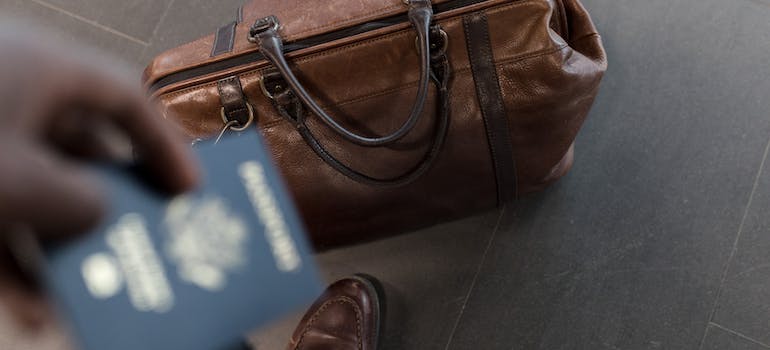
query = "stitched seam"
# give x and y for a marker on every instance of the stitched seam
(326, 305)
(378, 93)
(346, 20)
(487, 51)
(216, 43)
(465, 70)
(235, 81)
(485, 116)
(394, 34)
(273, 123)
(248, 74)
(233, 31)
(217, 38)
(221, 92)
(505, 136)
(374, 40)
(387, 35)
(500, 7)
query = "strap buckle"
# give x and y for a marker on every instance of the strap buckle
(262, 25)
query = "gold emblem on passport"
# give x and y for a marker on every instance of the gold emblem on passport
(202, 238)
(205, 240)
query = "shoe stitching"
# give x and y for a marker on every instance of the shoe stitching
(326, 305)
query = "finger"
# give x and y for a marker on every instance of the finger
(53, 197)
(24, 301)
(100, 141)
(30, 310)
(162, 151)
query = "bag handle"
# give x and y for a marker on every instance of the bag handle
(265, 33)
(291, 108)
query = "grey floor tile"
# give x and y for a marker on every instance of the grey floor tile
(68, 29)
(426, 274)
(628, 251)
(188, 20)
(136, 18)
(744, 303)
(719, 338)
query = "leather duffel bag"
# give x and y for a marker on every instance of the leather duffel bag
(390, 115)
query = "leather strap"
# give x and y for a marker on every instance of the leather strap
(224, 39)
(292, 109)
(491, 102)
(235, 107)
(265, 33)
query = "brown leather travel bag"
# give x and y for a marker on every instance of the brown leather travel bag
(390, 115)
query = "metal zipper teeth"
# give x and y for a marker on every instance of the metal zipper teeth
(300, 44)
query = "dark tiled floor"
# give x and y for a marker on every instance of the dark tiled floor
(658, 239)
(718, 338)
(744, 303)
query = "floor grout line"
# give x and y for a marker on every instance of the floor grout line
(761, 2)
(735, 242)
(476, 277)
(157, 26)
(91, 22)
(740, 335)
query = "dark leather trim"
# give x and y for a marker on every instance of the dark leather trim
(291, 108)
(491, 103)
(265, 33)
(224, 40)
(233, 101)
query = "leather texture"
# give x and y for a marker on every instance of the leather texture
(491, 103)
(235, 107)
(549, 61)
(420, 14)
(346, 317)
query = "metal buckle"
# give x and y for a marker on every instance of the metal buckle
(262, 25)
(231, 124)
(272, 76)
(436, 51)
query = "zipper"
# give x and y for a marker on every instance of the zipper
(301, 44)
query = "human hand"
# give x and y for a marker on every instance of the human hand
(60, 109)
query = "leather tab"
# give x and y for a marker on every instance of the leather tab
(234, 103)
(491, 103)
(224, 40)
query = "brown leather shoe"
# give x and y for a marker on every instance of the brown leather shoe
(345, 317)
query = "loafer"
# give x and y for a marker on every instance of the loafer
(345, 317)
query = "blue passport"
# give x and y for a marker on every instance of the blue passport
(195, 272)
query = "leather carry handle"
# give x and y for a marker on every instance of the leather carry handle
(265, 33)
(292, 109)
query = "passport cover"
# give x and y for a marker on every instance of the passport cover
(193, 272)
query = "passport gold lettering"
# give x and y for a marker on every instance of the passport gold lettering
(263, 199)
(146, 282)
(102, 275)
